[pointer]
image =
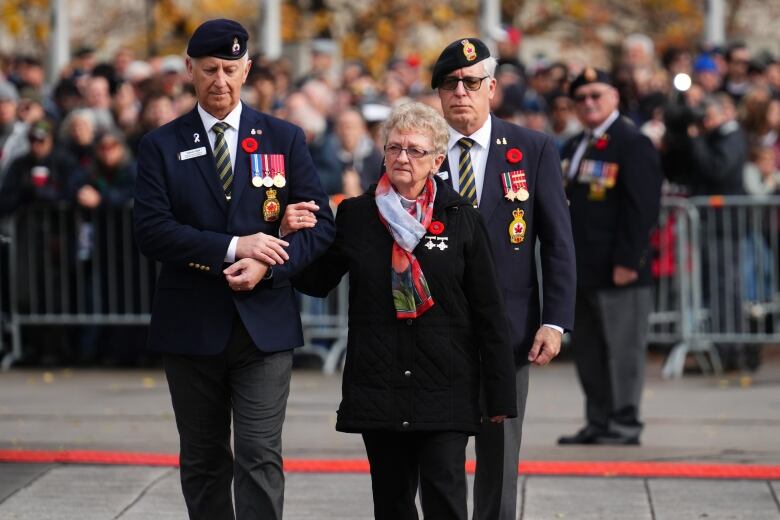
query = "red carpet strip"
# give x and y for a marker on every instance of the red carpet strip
(551, 468)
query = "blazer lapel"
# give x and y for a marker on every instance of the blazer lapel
(241, 169)
(192, 126)
(491, 184)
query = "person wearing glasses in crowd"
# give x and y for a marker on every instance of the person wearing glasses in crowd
(426, 323)
(512, 175)
(212, 186)
(613, 177)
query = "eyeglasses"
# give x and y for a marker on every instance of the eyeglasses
(595, 96)
(469, 83)
(393, 150)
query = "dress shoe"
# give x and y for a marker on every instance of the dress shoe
(616, 439)
(587, 435)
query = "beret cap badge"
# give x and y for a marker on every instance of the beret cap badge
(236, 47)
(469, 50)
(590, 74)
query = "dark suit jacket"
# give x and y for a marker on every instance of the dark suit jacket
(182, 220)
(613, 228)
(546, 217)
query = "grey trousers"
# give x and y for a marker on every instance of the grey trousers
(498, 453)
(609, 343)
(252, 387)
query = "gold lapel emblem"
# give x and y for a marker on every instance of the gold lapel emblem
(517, 227)
(271, 206)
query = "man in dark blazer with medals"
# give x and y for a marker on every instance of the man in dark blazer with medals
(513, 176)
(211, 188)
(613, 178)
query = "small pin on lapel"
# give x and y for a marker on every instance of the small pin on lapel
(196, 137)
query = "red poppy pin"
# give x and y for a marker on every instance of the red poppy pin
(601, 143)
(249, 144)
(436, 228)
(514, 156)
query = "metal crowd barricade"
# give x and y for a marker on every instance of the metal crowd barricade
(325, 322)
(716, 267)
(71, 266)
(61, 265)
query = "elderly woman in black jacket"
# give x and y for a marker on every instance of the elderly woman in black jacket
(425, 322)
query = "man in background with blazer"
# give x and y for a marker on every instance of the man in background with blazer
(613, 181)
(513, 176)
(212, 187)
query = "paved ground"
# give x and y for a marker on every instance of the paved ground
(733, 419)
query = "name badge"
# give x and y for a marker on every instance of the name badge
(189, 154)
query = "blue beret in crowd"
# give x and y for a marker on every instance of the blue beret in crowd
(460, 53)
(219, 38)
(705, 63)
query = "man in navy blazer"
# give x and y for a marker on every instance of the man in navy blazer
(212, 186)
(513, 175)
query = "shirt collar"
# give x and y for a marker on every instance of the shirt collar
(233, 118)
(481, 136)
(599, 130)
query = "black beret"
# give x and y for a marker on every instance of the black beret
(219, 38)
(458, 54)
(588, 76)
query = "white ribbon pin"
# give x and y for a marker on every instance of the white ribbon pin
(196, 137)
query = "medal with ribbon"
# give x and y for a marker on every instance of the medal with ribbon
(272, 165)
(515, 185)
(257, 170)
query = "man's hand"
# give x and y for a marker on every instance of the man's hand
(267, 249)
(623, 275)
(298, 216)
(547, 344)
(245, 274)
(498, 419)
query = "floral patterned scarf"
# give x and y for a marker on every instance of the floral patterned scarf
(411, 295)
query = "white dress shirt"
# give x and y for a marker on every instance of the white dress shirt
(233, 119)
(479, 153)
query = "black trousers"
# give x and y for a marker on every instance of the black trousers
(252, 387)
(402, 460)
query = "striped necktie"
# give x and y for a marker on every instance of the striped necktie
(222, 158)
(468, 186)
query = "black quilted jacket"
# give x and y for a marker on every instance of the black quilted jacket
(420, 374)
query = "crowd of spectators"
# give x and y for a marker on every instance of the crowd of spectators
(74, 138)
(733, 98)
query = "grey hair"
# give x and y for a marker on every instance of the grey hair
(421, 118)
(642, 40)
(78, 113)
(490, 63)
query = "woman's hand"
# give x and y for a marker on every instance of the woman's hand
(298, 216)
(245, 274)
(498, 419)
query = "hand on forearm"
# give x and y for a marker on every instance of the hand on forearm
(245, 274)
(262, 247)
(297, 216)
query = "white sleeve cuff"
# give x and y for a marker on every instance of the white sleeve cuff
(554, 327)
(230, 256)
